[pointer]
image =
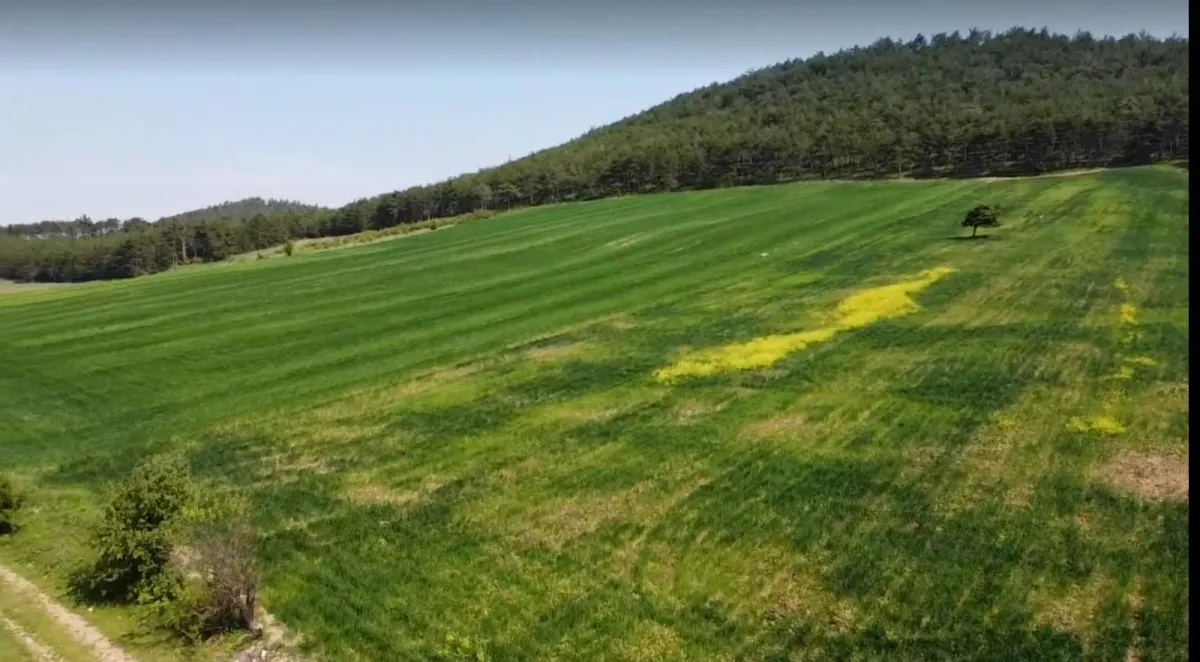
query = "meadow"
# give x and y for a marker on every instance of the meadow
(796, 422)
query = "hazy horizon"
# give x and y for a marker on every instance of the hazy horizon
(122, 113)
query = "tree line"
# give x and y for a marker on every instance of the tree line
(1019, 103)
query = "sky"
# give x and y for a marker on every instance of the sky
(122, 109)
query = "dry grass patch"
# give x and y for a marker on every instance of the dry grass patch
(690, 412)
(360, 490)
(621, 322)
(581, 413)
(1149, 476)
(556, 523)
(1074, 611)
(595, 407)
(355, 416)
(1134, 652)
(651, 642)
(629, 240)
(591, 415)
(371, 400)
(288, 464)
(301, 523)
(777, 426)
(550, 353)
(337, 435)
(802, 596)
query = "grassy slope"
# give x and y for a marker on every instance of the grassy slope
(912, 490)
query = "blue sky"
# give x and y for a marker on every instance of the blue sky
(99, 118)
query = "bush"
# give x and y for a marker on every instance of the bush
(289, 247)
(12, 497)
(218, 583)
(134, 541)
(186, 554)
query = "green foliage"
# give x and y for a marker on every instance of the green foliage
(135, 538)
(289, 247)
(981, 216)
(12, 497)
(184, 610)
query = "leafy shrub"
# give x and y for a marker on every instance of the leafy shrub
(134, 540)
(289, 248)
(12, 497)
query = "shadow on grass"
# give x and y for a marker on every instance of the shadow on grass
(980, 237)
(885, 537)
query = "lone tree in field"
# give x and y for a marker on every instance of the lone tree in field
(982, 216)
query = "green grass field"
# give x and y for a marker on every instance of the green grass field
(897, 445)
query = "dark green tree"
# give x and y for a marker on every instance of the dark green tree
(982, 216)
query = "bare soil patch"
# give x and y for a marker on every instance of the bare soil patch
(277, 643)
(1150, 476)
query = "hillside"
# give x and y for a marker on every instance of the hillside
(86, 228)
(806, 421)
(243, 210)
(1020, 103)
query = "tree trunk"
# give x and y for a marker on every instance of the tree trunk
(974, 229)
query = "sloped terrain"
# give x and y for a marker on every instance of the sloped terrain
(898, 443)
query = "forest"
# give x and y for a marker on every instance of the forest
(1019, 103)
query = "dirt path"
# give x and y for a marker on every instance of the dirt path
(1045, 175)
(79, 630)
(39, 652)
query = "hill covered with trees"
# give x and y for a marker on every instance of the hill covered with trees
(244, 210)
(951, 105)
(86, 228)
